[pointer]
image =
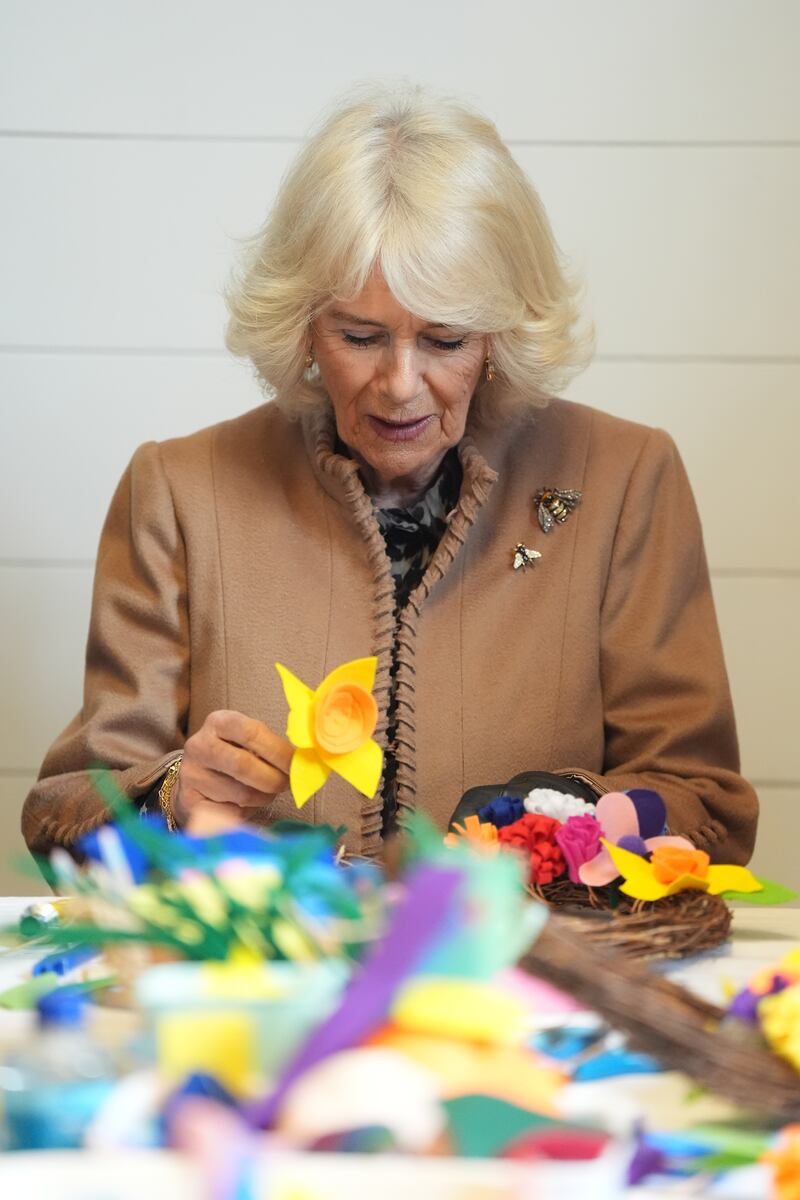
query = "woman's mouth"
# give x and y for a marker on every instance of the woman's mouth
(399, 431)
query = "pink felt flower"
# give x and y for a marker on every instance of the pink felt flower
(627, 820)
(579, 839)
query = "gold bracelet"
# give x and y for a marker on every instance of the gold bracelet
(165, 794)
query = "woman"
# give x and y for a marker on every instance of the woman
(406, 304)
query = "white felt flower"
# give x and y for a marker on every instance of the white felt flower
(555, 804)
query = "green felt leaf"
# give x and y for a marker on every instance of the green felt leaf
(773, 893)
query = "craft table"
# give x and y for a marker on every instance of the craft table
(760, 937)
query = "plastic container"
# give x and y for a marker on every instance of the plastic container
(53, 1086)
(257, 1015)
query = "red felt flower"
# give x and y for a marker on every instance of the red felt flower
(535, 836)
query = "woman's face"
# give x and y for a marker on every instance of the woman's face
(400, 387)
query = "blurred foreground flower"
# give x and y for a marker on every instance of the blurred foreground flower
(785, 1162)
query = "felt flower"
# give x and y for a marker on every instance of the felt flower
(744, 1005)
(784, 1159)
(579, 839)
(556, 804)
(331, 729)
(503, 810)
(534, 836)
(642, 883)
(671, 862)
(481, 835)
(779, 1015)
(635, 821)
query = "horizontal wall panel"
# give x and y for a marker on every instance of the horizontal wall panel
(776, 855)
(86, 414)
(759, 625)
(734, 424)
(119, 244)
(684, 251)
(44, 616)
(18, 873)
(720, 70)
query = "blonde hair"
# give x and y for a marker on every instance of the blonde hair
(426, 189)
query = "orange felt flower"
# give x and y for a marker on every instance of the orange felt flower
(344, 717)
(785, 1162)
(481, 836)
(671, 862)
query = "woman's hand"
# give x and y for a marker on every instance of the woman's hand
(231, 764)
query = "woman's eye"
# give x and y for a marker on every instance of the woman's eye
(442, 345)
(354, 340)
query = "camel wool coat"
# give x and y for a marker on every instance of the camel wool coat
(253, 542)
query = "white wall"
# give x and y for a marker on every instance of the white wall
(138, 139)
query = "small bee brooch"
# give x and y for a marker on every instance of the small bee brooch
(524, 557)
(553, 504)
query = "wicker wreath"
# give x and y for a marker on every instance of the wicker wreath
(676, 927)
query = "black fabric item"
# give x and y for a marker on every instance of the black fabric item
(476, 798)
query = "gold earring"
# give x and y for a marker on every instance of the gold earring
(489, 369)
(309, 360)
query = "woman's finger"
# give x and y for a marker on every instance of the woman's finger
(208, 817)
(200, 782)
(208, 750)
(252, 735)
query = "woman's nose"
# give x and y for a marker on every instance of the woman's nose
(402, 373)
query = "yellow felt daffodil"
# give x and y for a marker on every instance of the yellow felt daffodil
(668, 872)
(331, 729)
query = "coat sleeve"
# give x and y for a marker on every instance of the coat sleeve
(668, 716)
(136, 687)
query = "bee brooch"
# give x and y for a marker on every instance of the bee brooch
(553, 504)
(524, 557)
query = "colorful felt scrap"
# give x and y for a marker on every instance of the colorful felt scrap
(459, 1008)
(483, 1126)
(509, 1073)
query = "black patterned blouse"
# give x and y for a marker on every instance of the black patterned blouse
(411, 536)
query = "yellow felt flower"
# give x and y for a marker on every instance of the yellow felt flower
(780, 1023)
(643, 879)
(331, 729)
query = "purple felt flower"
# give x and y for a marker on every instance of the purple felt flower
(502, 811)
(579, 839)
(640, 814)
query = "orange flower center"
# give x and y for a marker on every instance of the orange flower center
(344, 718)
(670, 862)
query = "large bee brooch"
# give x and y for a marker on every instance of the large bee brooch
(553, 504)
(524, 557)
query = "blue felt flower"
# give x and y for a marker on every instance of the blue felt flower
(503, 810)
